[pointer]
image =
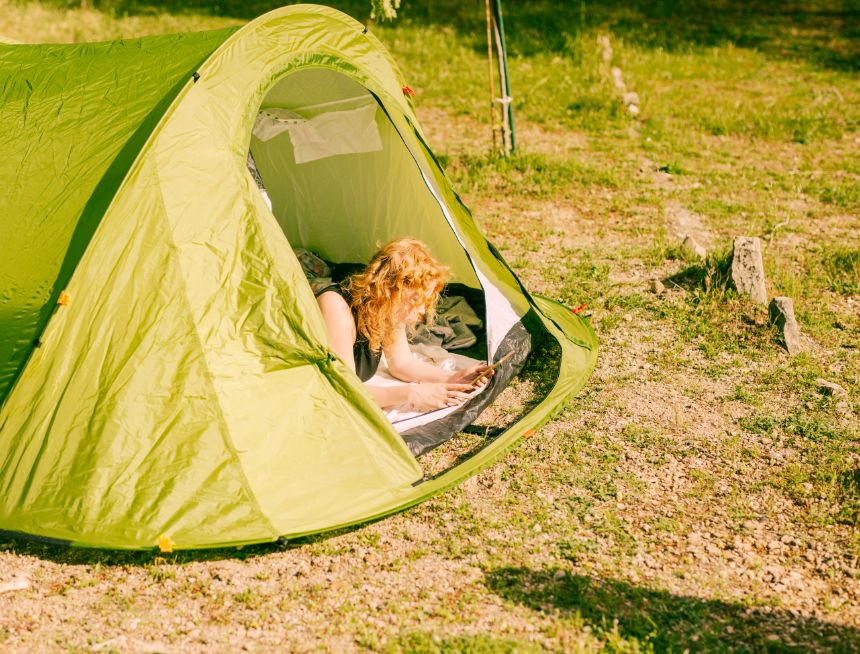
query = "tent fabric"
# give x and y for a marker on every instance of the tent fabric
(72, 120)
(184, 387)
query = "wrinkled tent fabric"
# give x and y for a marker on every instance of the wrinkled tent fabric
(183, 385)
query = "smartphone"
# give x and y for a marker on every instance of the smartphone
(486, 373)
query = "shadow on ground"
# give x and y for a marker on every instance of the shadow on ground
(669, 622)
(712, 274)
(62, 553)
(826, 33)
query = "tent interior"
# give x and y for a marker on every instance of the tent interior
(341, 181)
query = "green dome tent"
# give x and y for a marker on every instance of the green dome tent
(164, 368)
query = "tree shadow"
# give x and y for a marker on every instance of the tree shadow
(667, 622)
(826, 33)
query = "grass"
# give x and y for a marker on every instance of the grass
(697, 429)
(531, 174)
(427, 643)
(842, 270)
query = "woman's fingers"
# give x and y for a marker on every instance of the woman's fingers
(457, 397)
(455, 394)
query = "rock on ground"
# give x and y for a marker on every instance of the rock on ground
(748, 269)
(781, 311)
(832, 388)
(694, 247)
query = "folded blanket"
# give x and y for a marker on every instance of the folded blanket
(452, 329)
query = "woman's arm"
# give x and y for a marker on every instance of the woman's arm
(404, 366)
(341, 328)
(340, 324)
(423, 396)
(389, 396)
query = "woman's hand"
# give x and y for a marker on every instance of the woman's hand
(427, 396)
(469, 375)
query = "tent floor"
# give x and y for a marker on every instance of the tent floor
(524, 392)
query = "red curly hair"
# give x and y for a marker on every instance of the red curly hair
(402, 272)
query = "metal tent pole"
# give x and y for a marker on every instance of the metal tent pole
(490, 71)
(509, 135)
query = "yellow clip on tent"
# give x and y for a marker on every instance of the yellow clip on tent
(164, 369)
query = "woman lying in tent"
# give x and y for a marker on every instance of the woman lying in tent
(369, 313)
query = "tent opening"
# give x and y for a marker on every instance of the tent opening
(341, 182)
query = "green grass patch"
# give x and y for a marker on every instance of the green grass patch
(580, 278)
(422, 642)
(525, 174)
(798, 423)
(712, 314)
(842, 270)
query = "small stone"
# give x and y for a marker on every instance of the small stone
(657, 287)
(832, 389)
(603, 42)
(781, 311)
(748, 269)
(633, 109)
(693, 247)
